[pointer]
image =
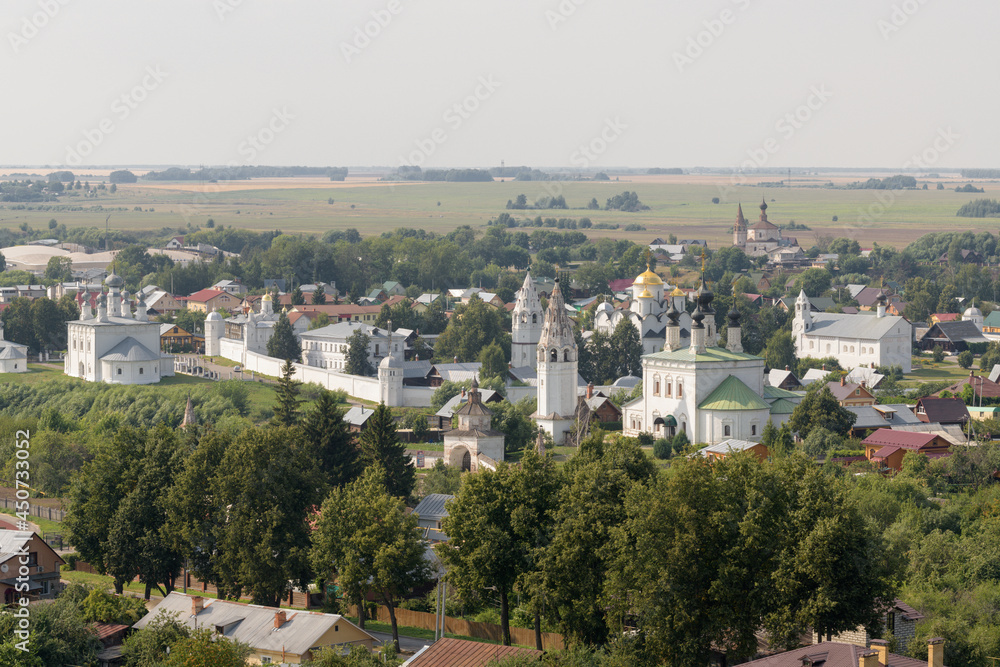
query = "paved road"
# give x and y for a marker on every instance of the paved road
(406, 644)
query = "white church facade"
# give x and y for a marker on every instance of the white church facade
(113, 345)
(647, 310)
(474, 437)
(864, 339)
(710, 393)
(557, 359)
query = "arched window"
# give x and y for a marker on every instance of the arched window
(753, 429)
(534, 318)
(524, 318)
(669, 387)
(680, 390)
(656, 387)
(727, 430)
(565, 355)
(554, 355)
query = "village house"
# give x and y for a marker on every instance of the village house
(952, 337)
(887, 447)
(851, 394)
(207, 300)
(899, 621)
(842, 654)
(937, 410)
(42, 562)
(277, 636)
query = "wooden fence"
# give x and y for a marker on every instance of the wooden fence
(460, 626)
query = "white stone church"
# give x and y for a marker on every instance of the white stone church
(857, 340)
(113, 345)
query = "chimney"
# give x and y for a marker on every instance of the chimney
(824, 367)
(786, 367)
(456, 359)
(197, 604)
(935, 652)
(843, 381)
(881, 647)
(590, 391)
(279, 619)
(868, 659)
(463, 392)
(863, 383)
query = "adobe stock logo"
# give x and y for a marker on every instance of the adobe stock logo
(363, 35)
(31, 25)
(122, 107)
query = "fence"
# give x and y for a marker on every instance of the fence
(50, 513)
(459, 626)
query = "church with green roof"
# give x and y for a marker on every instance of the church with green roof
(709, 392)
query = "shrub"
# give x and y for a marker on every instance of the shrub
(938, 354)
(965, 359)
(645, 439)
(662, 448)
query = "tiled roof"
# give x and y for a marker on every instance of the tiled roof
(905, 439)
(462, 653)
(943, 410)
(733, 394)
(980, 385)
(844, 391)
(206, 295)
(828, 654)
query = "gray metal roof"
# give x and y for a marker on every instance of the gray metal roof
(11, 542)
(358, 415)
(728, 446)
(448, 409)
(883, 416)
(432, 506)
(841, 325)
(251, 624)
(13, 351)
(130, 350)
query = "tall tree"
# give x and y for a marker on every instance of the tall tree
(357, 363)
(820, 409)
(473, 327)
(590, 508)
(494, 524)
(380, 446)
(366, 536)
(494, 362)
(319, 296)
(332, 444)
(780, 351)
(264, 488)
(627, 348)
(283, 343)
(298, 298)
(286, 412)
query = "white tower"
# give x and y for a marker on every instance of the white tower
(390, 374)
(557, 370)
(526, 326)
(802, 322)
(214, 328)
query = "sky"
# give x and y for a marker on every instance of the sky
(586, 84)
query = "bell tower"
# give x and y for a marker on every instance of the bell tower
(557, 370)
(526, 325)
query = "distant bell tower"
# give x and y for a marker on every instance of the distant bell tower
(526, 325)
(740, 230)
(557, 370)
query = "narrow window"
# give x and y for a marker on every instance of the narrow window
(726, 431)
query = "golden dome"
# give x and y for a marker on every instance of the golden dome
(267, 297)
(645, 294)
(677, 292)
(648, 278)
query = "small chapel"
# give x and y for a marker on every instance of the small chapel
(474, 437)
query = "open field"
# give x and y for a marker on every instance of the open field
(678, 204)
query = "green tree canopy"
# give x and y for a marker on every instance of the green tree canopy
(380, 446)
(283, 344)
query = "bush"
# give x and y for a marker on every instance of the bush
(938, 354)
(680, 442)
(965, 359)
(645, 439)
(662, 448)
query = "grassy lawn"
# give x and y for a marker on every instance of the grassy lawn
(927, 370)
(36, 374)
(418, 633)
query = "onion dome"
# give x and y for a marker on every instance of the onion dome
(763, 204)
(267, 297)
(734, 316)
(645, 294)
(673, 315)
(698, 317)
(648, 278)
(678, 292)
(114, 280)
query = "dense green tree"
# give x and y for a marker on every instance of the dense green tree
(357, 363)
(514, 421)
(965, 359)
(380, 446)
(494, 362)
(283, 344)
(821, 442)
(148, 647)
(780, 351)
(590, 507)
(627, 346)
(441, 478)
(494, 525)
(286, 411)
(330, 439)
(471, 328)
(59, 269)
(367, 538)
(814, 282)
(298, 298)
(820, 409)
(59, 634)
(205, 648)
(262, 491)
(49, 324)
(319, 296)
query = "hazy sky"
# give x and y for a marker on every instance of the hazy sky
(449, 83)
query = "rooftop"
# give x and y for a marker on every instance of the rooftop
(733, 394)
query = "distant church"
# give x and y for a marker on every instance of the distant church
(113, 345)
(760, 239)
(651, 300)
